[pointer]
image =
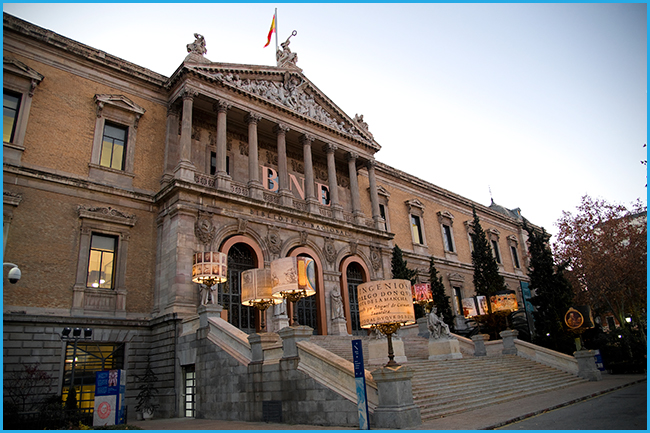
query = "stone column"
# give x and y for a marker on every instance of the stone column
(185, 169)
(310, 196)
(587, 365)
(255, 189)
(508, 336)
(222, 177)
(378, 221)
(286, 198)
(396, 409)
(354, 188)
(337, 209)
(479, 344)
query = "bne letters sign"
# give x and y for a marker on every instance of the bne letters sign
(386, 301)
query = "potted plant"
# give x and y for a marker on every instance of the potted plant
(146, 397)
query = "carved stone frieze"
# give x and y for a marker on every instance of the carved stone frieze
(107, 214)
(204, 229)
(329, 250)
(375, 257)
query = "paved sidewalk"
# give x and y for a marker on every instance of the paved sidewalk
(480, 419)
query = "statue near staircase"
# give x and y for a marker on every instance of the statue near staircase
(437, 327)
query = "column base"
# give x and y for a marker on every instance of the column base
(337, 212)
(185, 171)
(313, 206)
(255, 190)
(222, 182)
(286, 198)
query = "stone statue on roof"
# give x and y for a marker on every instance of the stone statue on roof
(198, 46)
(285, 57)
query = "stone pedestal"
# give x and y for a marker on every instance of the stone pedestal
(279, 322)
(339, 327)
(479, 344)
(423, 327)
(396, 409)
(444, 348)
(185, 171)
(207, 311)
(508, 336)
(290, 336)
(260, 342)
(587, 365)
(378, 351)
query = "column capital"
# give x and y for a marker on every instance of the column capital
(173, 110)
(371, 163)
(307, 139)
(281, 128)
(221, 106)
(253, 118)
(352, 156)
(189, 93)
(329, 148)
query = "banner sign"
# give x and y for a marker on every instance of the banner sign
(422, 292)
(387, 301)
(360, 381)
(109, 398)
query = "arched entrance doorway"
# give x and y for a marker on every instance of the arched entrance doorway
(354, 275)
(307, 308)
(240, 258)
(311, 310)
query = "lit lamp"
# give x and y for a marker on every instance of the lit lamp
(257, 291)
(386, 305)
(293, 278)
(209, 268)
(422, 295)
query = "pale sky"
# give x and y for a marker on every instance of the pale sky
(541, 103)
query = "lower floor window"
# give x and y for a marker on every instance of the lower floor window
(190, 390)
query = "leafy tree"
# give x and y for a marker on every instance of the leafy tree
(487, 280)
(440, 298)
(398, 267)
(553, 294)
(606, 247)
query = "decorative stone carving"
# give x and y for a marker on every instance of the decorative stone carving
(329, 250)
(445, 216)
(207, 294)
(286, 57)
(198, 46)
(107, 214)
(353, 247)
(456, 277)
(337, 304)
(204, 229)
(437, 327)
(303, 237)
(241, 225)
(359, 119)
(375, 258)
(274, 241)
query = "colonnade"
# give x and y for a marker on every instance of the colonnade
(185, 167)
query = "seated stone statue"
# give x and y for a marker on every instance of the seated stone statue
(437, 327)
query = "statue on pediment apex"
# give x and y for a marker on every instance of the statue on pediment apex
(285, 56)
(198, 46)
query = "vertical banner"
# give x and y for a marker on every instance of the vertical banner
(109, 398)
(360, 380)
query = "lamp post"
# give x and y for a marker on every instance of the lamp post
(209, 268)
(293, 278)
(257, 291)
(386, 305)
(69, 334)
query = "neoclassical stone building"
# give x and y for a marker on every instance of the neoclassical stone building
(115, 176)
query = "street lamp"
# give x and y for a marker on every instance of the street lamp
(293, 278)
(257, 291)
(209, 268)
(74, 335)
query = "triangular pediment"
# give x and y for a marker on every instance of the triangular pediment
(120, 101)
(20, 69)
(287, 88)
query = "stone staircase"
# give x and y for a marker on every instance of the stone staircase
(442, 388)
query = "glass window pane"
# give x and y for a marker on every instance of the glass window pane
(118, 154)
(11, 104)
(107, 151)
(114, 141)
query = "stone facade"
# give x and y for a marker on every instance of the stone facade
(255, 162)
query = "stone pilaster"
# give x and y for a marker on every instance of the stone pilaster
(185, 168)
(354, 188)
(286, 198)
(222, 178)
(255, 188)
(171, 145)
(337, 209)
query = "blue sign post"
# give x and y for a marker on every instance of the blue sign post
(109, 398)
(360, 380)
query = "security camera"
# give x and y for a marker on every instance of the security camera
(14, 275)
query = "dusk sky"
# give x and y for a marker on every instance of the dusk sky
(539, 103)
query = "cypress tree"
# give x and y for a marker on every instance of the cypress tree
(440, 298)
(487, 280)
(398, 267)
(553, 294)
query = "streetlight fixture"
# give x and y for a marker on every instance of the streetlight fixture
(257, 291)
(75, 337)
(293, 278)
(209, 268)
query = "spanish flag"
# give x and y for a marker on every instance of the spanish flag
(270, 32)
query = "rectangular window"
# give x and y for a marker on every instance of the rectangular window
(113, 146)
(213, 163)
(11, 105)
(459, 301)
(382, 212)
(495, 250)
(449, 243)
(190, 390)
(515, 257)
(101, 263)
(228, 165)
(416, 230)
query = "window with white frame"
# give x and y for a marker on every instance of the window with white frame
(446, 220)
(513, 244)
(416, 213)
(384, 195)
(493, 238)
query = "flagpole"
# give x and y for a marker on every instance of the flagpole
(276, 30)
